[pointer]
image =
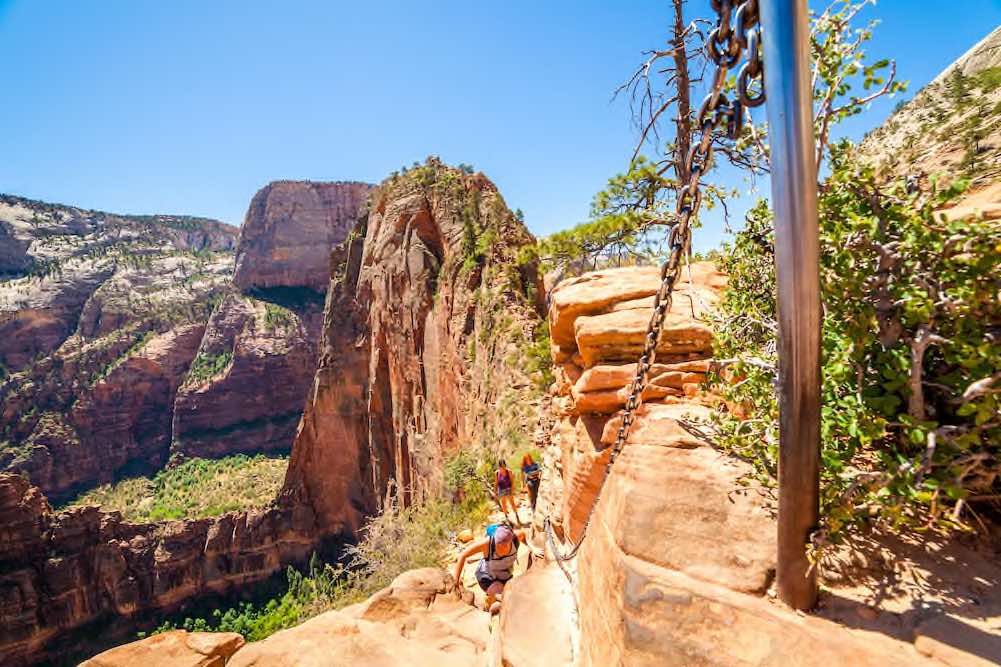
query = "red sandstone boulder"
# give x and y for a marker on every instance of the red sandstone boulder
(418, 620)
(178, 648)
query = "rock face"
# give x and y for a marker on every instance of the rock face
(177, 648)
(427, 317)
(60, 572)
(426, 322)
(949, 130)
(100, 317)
(124, 341)
(289, 230)
(254, 402)
(679, 554)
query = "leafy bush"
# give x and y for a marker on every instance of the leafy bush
(195, 489)
(539, 364)
(910, 432)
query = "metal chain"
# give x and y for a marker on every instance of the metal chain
(726, 45)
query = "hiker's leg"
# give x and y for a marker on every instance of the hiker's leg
(493, 593)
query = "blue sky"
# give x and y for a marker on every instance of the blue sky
(189, 107)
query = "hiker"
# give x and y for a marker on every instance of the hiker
(500, 551)
(531, 475)
(504, 481)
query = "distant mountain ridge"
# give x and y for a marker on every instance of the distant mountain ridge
(951, 129)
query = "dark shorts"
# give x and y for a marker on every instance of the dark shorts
(501, 493)
(484, 579)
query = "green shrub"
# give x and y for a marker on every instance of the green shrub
(206, 366)
(278, 318)
(910, 434)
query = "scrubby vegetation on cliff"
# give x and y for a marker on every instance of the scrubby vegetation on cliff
(911, 320)
(195, 489)
(397, 540)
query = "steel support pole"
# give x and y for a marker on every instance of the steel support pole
(785, 33)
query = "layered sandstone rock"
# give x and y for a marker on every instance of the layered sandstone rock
(61, 572)
(427, 316)
(289, 230)
(106, 345)
(680, 551)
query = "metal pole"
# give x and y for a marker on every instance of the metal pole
(786, 29)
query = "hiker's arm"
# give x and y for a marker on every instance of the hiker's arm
(472, 549)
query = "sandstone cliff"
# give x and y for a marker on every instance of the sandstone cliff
(427, 316)
(124, 341)
(289, 230)
(82, 574)
(100, 317)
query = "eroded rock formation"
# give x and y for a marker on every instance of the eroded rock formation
(253, 403)
(289, 230)
(427, 316)
(680, 553)
(60, 572)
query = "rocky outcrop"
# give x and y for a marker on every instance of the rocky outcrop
(83, 568)
(419, 619)
(98, 336)
(427, 316)
(289, 230)
(679, 557)
(122, 419)
(247, 387)
(949, 130)
(177, 648)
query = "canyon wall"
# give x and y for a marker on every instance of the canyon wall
(428, 316)
(126, 340)
(289, 230)
(71, 575)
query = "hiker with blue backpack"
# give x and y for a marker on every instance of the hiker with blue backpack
(496, 568)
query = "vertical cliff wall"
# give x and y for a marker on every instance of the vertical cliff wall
(289, 230)
(427, 315)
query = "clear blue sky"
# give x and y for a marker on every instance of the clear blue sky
(191, 106)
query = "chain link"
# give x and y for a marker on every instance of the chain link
(726, 45)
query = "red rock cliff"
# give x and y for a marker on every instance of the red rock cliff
(426, 313)
(289, 230)
(61, 572)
